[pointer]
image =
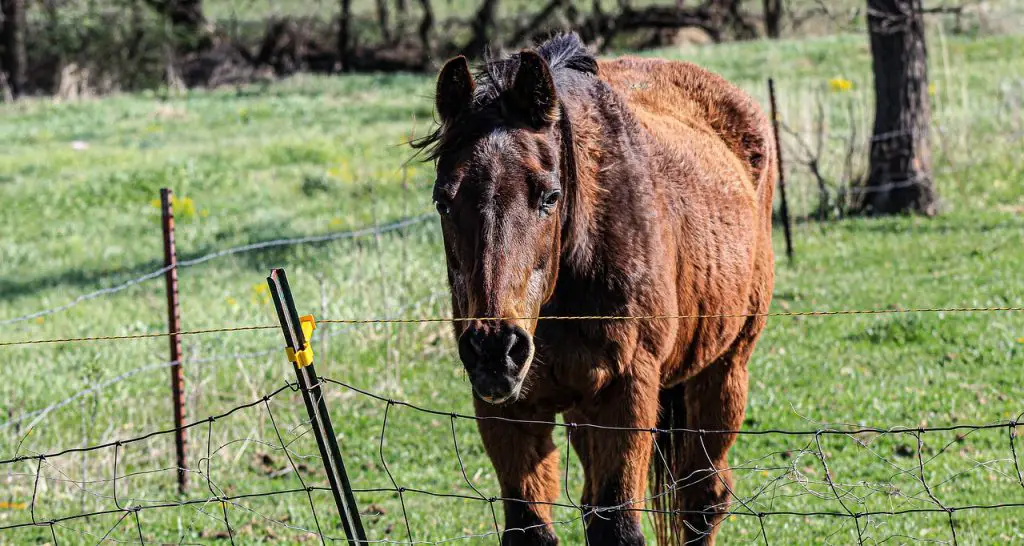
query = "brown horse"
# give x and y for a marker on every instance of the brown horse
(628, 187)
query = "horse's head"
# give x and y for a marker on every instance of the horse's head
(499, 196)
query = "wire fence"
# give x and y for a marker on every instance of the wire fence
(918, 482)
(852, 500)
(38, 414)
(754, 505)
(309, 239)
(132, 506)
(425, 320)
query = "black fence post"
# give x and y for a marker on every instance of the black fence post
(297, 331)
(784, 206)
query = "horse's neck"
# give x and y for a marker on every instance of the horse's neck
(610, 203)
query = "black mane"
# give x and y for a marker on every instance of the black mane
(565, 54)
(562, 52)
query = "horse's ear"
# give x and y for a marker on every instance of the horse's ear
(532, 99)
(454, 88)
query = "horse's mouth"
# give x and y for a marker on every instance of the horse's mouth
(497, 401)
(499, 396)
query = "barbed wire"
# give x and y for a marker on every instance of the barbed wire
(340, 235)
(422, 320)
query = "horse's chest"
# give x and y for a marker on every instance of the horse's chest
(573, 368)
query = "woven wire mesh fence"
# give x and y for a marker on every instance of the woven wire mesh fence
(125, 484)
(802, 466)
(421, 477)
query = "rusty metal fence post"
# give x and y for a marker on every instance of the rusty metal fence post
(174, 326)
(299, 349)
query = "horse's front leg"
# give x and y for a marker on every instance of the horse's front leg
(526, 462)
(617, 461)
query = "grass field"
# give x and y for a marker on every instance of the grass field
(319, 155)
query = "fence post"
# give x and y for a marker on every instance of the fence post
(174, 326)
(297, 331)
(784, 207)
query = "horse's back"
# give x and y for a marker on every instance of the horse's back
(692, 110)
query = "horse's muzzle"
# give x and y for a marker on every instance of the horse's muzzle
(497, 356)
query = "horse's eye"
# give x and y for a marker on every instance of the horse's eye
(442, 208)
(549, 199)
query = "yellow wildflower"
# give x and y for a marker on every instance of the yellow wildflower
(341, 172)
(184, 207)
(840, 85)
(260, 294)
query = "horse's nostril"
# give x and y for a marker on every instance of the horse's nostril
(511, 338)
(520, 346)
(471, 349)
(475, 341)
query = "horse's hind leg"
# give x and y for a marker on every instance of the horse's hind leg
(715, 400)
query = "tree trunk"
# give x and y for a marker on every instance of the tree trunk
(482, 24)
(773, 18)
(900, 175)
(13, 58)
(735, 18)
(382, 20)
(401, 17)
(186, 19)
(425, 30)
(344, 39)
(535, 23)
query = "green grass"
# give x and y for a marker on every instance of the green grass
(315, 155)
